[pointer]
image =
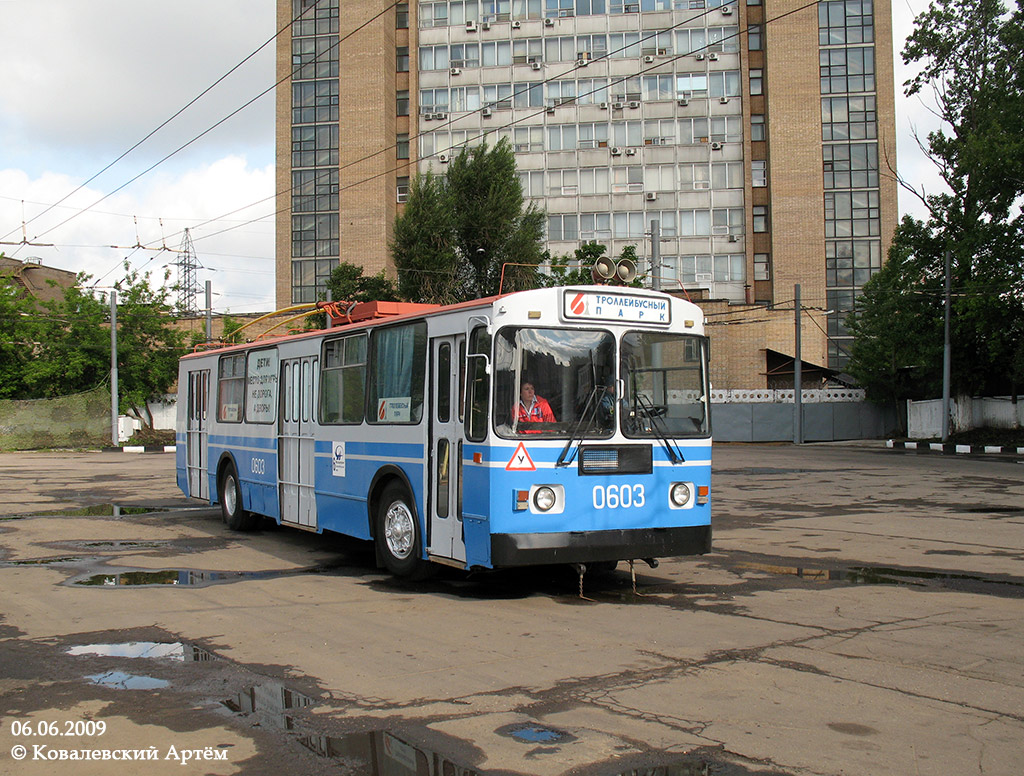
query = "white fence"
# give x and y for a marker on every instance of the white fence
(924, 418)
(785, 396)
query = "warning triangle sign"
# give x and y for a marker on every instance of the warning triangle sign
(521, 461)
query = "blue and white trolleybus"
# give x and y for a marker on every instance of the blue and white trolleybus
(560, 425)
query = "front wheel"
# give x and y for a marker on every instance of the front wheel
(398, 535)
(231, 510)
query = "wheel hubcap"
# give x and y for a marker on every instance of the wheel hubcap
(230, 495)
(399, 530)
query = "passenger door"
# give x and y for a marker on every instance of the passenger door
(446, 442)
(196, 435)
(296, 441)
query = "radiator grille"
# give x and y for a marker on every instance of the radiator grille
(610, 459)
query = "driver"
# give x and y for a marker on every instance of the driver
(533, 408)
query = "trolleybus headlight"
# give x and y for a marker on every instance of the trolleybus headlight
(544, 498)
(680, 494)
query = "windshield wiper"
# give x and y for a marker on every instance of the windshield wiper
(675, 455)
(587, 416)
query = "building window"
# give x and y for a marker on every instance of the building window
(756, 81)
(762, 267)
(841, 23)
(760, 218)
(402, 189)
(402, 103)
(754, 37)
(402, 146)
(757, 127)
(848, 118)
(759, 173)
(402, 59)
(845, 70)
(402, 16)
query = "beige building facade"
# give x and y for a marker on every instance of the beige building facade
(759, 136)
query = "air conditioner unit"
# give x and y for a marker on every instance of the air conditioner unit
(698, 57)
(726, 10)
(616, 106)
(535, 65)
(733, 238)
(470, 26)
(456, 71)
(723, 100)
(443, 158)
(713, 56)
(634, 104)
(517, 25)
(486, 25)
(650, 196)
(486, 113)
(549, 22)
(716, 146)
(683, 102)
(440, 116)
(603, 106)
(551, 110)
(581, 62)
(615, 151)
(648, 59)
(630, 152)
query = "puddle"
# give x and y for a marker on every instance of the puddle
(40, 561)
(119, 680)
(530, 733)
(177, 651)
(270, 700)
(99, 510)
(1008, 587)
(187, 577)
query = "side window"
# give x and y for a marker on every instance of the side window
(343, 380)
(443, 378)
(397, 372)
(261, 395)
(478, 384)
(231, 388)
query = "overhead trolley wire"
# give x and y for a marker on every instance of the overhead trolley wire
(484, 134)
(167, 121)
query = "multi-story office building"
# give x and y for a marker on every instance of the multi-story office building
(758, 136)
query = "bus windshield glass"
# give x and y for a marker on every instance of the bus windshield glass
(665, 385)
(549, 382)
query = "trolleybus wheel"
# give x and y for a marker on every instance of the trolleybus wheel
(398, 535)
(237, 518)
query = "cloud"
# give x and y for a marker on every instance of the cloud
(154, 214)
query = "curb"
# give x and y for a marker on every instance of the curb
(951, 449)
(141, 449)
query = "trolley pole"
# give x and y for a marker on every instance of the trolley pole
(798, 377)
(113, 370)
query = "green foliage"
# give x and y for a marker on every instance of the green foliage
(969, 52)
(348, 284)
(148, 347)
(62, 347)
(576, 270)
(459, 231)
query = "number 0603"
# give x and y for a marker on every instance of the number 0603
(616, 496)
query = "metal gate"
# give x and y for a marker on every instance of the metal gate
(295, 441)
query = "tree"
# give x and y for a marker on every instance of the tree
(20, 335)
(576, 271)
(347, 283)
(148, 347)
(466, 233)
(970, 53)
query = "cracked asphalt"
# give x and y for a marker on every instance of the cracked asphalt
(860, 614)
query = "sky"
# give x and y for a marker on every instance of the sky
(82, 82)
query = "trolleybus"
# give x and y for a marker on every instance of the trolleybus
(559, 425)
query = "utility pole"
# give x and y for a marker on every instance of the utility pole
(798, 377)
(946, 355)
(209, 313)
(188, 287)
(113, 370)
(655, 255)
